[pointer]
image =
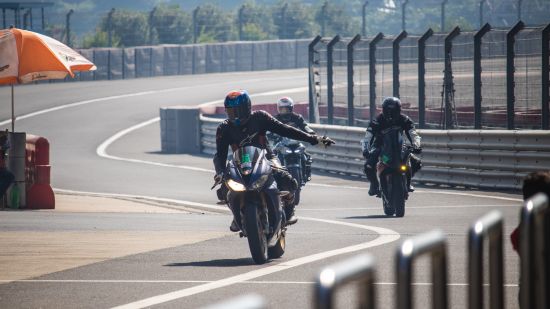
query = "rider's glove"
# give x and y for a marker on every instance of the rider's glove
(218, 177)
(365, 154)
(325, 140)
(417, 150)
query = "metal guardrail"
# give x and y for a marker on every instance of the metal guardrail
(493, 159)
(534, 245)
(357, 269)
(489, 227)
(432, 243)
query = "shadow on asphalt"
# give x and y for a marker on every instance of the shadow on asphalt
(370, 217)
(215, 263)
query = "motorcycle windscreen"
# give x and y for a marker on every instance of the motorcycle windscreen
(246, 158)
(392, 144)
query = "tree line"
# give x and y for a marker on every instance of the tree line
(207, 23)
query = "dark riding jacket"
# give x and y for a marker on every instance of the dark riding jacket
(259, 122)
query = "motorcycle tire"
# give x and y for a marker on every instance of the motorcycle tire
(257, 239)
(296, 174)
(279, 249)
(398, 195)
(386, 196)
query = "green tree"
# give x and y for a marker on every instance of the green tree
(293, 20)
(131, 27)
(335, 19)
(256, 22)
(214, 25)
(170, 25)
(99, 39)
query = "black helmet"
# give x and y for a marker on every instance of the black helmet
(391, 109)
(238, 106)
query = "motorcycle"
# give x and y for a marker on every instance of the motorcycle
(291, 154)
(255, 201)
(392, 169)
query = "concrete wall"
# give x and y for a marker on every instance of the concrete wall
(165, 60)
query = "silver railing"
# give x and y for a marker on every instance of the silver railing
(534, 246)
(359, 269)
(489, 228)
(432, 244)
(491, 159)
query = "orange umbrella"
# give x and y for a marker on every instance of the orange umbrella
(27, 56)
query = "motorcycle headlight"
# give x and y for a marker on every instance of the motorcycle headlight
(235, 186)
(288, 151)
(403, 168)
(260, 182)
(297, 150)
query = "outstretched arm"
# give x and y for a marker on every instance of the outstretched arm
(275, 126)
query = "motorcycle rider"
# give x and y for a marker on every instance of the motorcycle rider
(286, 115)
(390, 116)
(243, 124)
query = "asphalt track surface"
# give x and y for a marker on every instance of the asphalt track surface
(338, 218)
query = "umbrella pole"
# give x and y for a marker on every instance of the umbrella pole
(12, 111)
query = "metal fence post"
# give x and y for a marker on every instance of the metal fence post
(312, 97)
(359, 268)
(510, 84)
(351, 107)
(432, 243)
(448, 79)
(330, 79)
(545, 82)
(488, 227)
(363, 18)
(372, 74)
(477, 74)
(533, 239)
(395, 64)
(422, 78)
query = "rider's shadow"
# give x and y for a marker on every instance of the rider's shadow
(215, 263)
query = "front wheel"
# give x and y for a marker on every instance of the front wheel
(398, 195)
(297, 175)
(279, 249)
(257, 240)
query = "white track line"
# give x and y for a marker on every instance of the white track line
(386, 236)
(511, 285)
(102, 152)
(129, 95)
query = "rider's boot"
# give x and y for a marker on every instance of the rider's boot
(374, 189)
(291, 217)
(234, 226)
(410, 187)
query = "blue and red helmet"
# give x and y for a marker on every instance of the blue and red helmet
(238, 106)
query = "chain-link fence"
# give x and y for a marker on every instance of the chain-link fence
(492, 78)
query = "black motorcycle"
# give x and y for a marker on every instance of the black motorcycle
(255, 201)
(291, 154)
(392, 169)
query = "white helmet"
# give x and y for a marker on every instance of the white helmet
(285, 105)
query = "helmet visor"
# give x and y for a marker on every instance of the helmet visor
(284, 109)
(237, 112)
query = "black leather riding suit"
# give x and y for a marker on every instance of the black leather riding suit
(373, 142)
(297, 121)
(259, 122)
(294, 120)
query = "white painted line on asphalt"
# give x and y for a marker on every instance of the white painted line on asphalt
(129, 95)
(152, 198)
(210, 281)
(386, 236)
(409, 207)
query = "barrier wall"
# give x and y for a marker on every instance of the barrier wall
(492, 159)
